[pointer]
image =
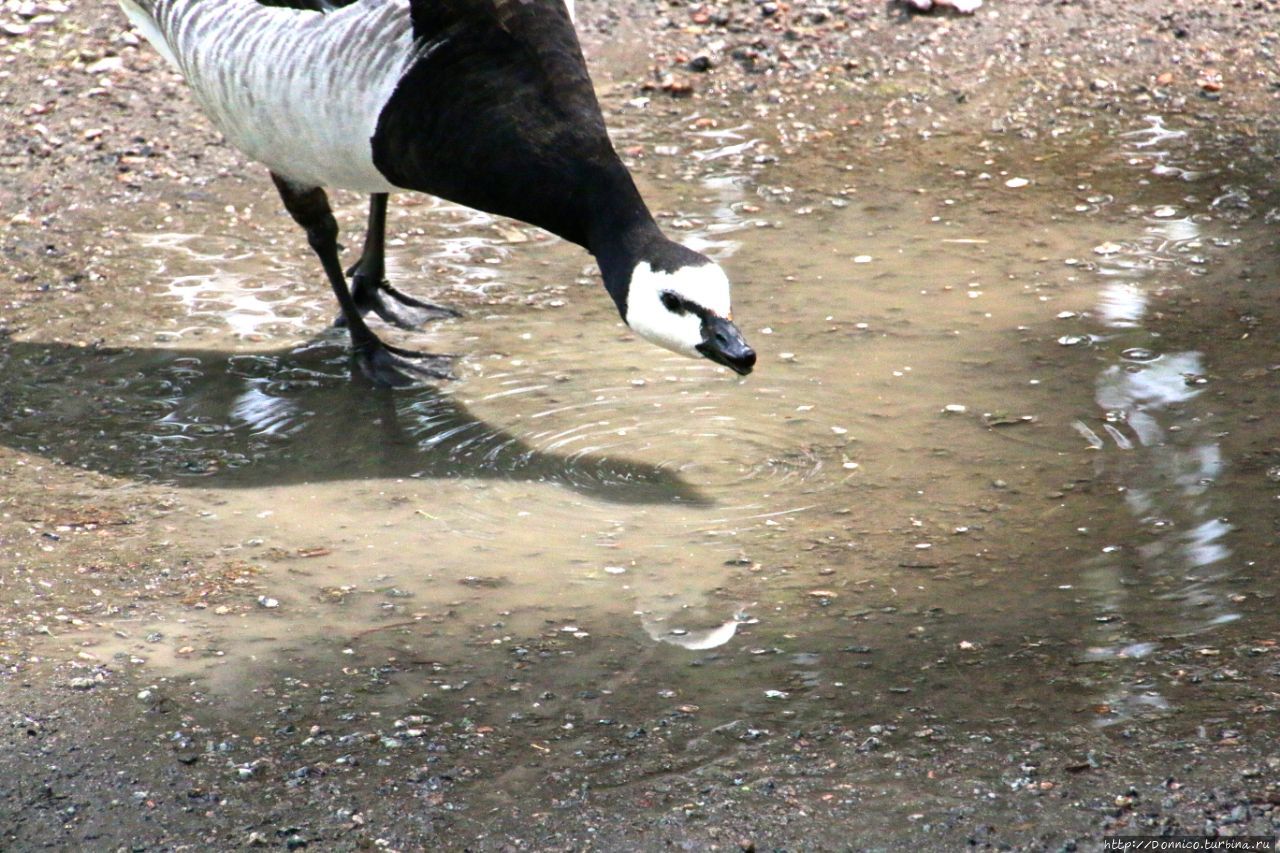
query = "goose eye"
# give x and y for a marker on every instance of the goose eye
(673, 303)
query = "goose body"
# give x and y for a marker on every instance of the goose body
(487, 103)
(299, 91)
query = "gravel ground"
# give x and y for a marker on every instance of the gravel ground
(100, 137)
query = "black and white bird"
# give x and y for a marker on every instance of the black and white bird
(486, 103)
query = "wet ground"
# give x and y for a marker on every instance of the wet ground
(981, 555)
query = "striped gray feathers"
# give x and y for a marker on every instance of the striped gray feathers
(296, 89)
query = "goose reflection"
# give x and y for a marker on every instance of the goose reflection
(208, 418)
(1165, 454)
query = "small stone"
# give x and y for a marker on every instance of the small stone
(105, 65)
(676, 87)
(701, 63)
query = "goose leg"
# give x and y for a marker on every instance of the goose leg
(369, 286)
(382, 363)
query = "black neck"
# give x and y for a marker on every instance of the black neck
(620, 232)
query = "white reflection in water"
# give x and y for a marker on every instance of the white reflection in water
(1168, 464)
(265, 414)
(1153, 134)
(1122, 305)
(1175, 230)
(711, 238)
(236, 295)
(1137, 394)
(1143, 141)
(230, 300)
(668, 629)
(1168, 488)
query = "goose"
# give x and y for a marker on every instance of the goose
(486, 103)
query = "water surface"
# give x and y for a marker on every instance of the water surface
(970, 473)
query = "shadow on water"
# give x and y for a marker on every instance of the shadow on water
(211, 419)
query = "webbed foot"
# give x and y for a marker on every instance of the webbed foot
(393, 306)
(394, 367)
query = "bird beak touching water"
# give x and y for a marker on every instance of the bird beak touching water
(723, 344)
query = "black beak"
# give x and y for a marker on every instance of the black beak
(723, 344)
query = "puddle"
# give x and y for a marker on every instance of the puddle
(968, 472)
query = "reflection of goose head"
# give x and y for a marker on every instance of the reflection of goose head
(661, 630)
(189, 416)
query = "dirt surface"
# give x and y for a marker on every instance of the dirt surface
(96, 752)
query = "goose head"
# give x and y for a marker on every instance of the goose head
(686, 309)
(679, 299)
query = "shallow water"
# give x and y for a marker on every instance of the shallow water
(968, 473)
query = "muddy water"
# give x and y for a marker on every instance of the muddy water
(968, 474)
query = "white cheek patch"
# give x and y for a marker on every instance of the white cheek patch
(704, 285)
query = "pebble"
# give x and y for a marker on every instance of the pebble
(105, 65)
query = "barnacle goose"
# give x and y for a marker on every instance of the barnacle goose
(487, 103)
